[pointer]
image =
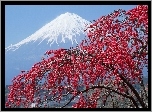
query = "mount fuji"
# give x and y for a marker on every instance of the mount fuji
(65, 31)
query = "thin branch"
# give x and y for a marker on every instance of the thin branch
(134, 91)
(100, 87)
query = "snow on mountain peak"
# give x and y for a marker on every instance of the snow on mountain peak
(67, 25)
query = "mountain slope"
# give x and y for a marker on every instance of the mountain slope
(63, 32)
(65, 26)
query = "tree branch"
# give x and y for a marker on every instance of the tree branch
(134, 91)
(100, 87)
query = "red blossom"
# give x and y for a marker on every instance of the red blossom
(107, 52)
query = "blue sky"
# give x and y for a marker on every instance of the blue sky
(23, 20)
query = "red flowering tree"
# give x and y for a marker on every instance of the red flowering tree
(100, 72)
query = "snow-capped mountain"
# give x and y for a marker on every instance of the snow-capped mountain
(63, 32)
(65, 26)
